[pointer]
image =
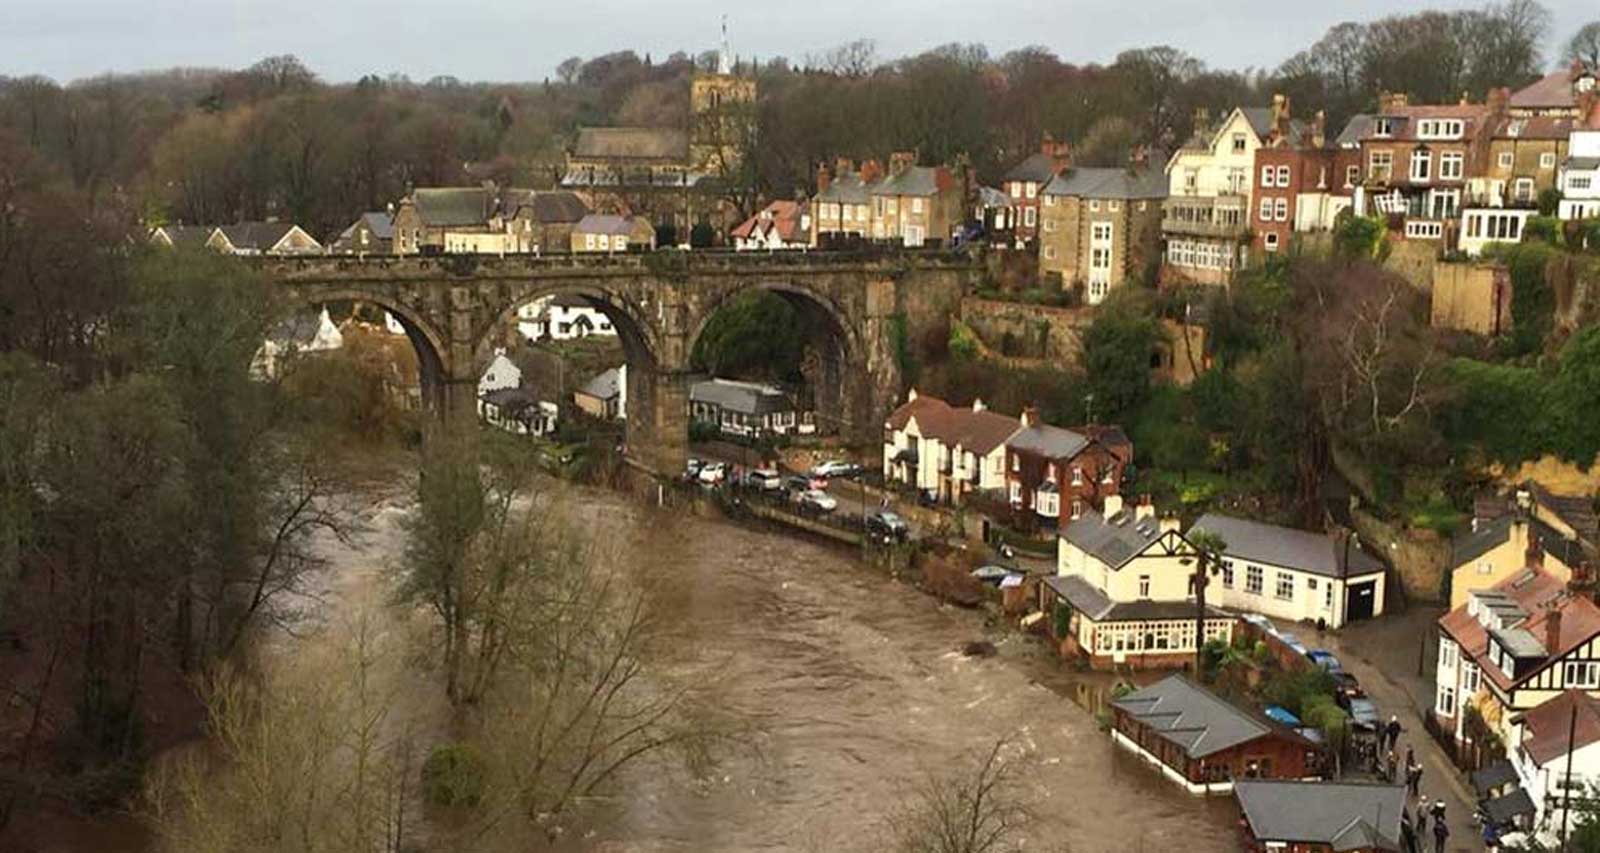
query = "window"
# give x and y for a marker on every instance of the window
(1506, 159)
(1227, 573)
(1099, 258)
(1547, 160)
(1113, 205)
(1383, 127)
(1421, 165)
(1448, 653)
(1031, 189)
(1270, 240)
(1352, 175)
(1584, 675)
(1144, 586)
(916, 206)
(1574, 182)
(1049, 251)
(1252, 580)
(1049, 225)
(1100, 232)
(1285, 588)
(1440, 128)
(1077, 476)
(1523, 189)
(1469, 678)
(1029, 216)
(1450, 165)
(1094, 204)
(1016, 464)
(1049, 201)
(1097, 290)
(1311, 583)
(1266, 210)
(1423, 230)
(1238, 143)
(1282, 212)
(1191, 178)
(1077, 509)
(1327, 597)
(1283, 176)
(1445, 704)
(1268, 177)
(1016, 189)
(1380, 165)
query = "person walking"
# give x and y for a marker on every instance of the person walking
(1441, 833)
(1392, 731)
(1413, 776)
(1422, 816)
(1391, 768)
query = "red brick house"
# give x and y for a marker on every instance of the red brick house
(1057, 472)
(1204, 742)
(1024, 184)
(1297, 182)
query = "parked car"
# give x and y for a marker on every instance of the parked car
(797, 483)
(1346, 687)
(1363, 714)
(764, 479)
(818, 500)
(835, 468)
(712, 473)
(691, 470)
(888, 525)
(1260, 621)
(1326, 660)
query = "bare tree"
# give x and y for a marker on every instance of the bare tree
(1584, 46)
(970, 811)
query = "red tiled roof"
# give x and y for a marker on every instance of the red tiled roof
(782, 215)
(1553, 90)
(1534, 127)
(977, 431)
(1546, 726)
(1537, 594)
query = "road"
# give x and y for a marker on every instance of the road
(1383, 654)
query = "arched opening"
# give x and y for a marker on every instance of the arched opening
(781, 338)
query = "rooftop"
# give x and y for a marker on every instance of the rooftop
(750, 398)
(1318, 553)
(631, 143)
(1113, 541)
(1533, 596)
(979, 431)
(1198, 721)
(1051, 442)
(1545, 727)
(605, 386)
(1342, 815)
(1109, 182)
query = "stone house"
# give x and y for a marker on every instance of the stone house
(484, 219)
(1294, 575)
(371, 234)
(1205, 743)
(1123, 594)
(1023, 183)
(907, 205)
(946, 451)
(1206, 216)
(1296, 816)
(840, 207)
(1057, 473)
(1101, 228)
(603, 232)
(1511, 648)
(262, 238)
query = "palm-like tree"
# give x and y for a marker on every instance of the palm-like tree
(1208, 548)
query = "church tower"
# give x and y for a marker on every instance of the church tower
(721, 114)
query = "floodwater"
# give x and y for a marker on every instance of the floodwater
(853, 687)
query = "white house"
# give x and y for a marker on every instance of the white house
(1206, 215)
(1293, 574)
(779, 225)
(304, 333)
(1540, 757)
(1122, 593)
(949, 451)
(1482, 226)
(562, 317)
(501, 373)
(747, 408)
(1580, 176)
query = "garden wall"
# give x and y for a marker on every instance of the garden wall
(1025, 330)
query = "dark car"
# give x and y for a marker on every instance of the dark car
(1346, 687)
(888, 526)
(796, 484)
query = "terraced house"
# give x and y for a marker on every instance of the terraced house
(486, 218)
(1024, 183)
(1300, 180)
(946, 451)
(1206, 216)
(1101, 227)
(908, 205)
(1417, 161)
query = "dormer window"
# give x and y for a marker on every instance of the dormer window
(1440, 128)
(1383, 127)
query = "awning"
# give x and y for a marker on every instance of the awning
(1489, 778)
(1505, 809)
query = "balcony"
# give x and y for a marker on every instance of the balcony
(1223, 217)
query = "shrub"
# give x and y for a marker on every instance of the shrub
(1549, 201)
(963, 343)
(1542, 229)
(1358, 237)
(453, 776)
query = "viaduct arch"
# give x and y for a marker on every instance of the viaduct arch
(659, 303)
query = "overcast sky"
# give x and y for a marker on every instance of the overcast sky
(497, 40)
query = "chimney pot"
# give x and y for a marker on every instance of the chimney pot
(824, 177)
(978, 406)
(1030, 416)
(1170, 523)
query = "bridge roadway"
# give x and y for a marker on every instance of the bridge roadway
(873, 304)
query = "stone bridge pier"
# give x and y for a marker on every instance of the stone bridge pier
(864, 310)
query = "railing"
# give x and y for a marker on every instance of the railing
(1205, 216)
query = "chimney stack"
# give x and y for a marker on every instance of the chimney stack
(900, 161)
(1390, 103)
(1113, 505)
(1030, 416)
(978, 406)
(1202, 120)
(1280, 116)
(1170, 523)
(1138, 158)
(1552, 626)
(1498, 100)
(843, 166)
(871, 171)
(1144, 509)
(824, 178)
(1059, 152)
(1319, 129)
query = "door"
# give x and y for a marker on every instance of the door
(1359, 600)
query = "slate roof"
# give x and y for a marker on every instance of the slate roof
(257, 236)
(1545, 727)
(512, 400)
(915, 180)
(1260, 119)
(1317, 553)
(1535, 127)
(1112, 541)
(1097, 607)
(605, 223)
(1583, 163)
(991, 198)
(187, 236)
(1051, 442)
(1495, 532)
(1198, 721)
(451, 206)
(605, 386)
(1109, 182)
(1576, 511)
(1037, 167)
(547, 207)
(1354, 130)
(1342, 815)
(748, 398)
(380, 223)
(847, 188)
(631, 143)
(977, 431)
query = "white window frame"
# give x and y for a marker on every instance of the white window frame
(1451, 165)
(1506, 160)
(1030, 190)
(1352, 174)
(1445, 702)
(1283, 176)
(1281, 212)
(1270, 241)
(1269, 176)
(1254, 580)
(916, 206)
(1283, 587)
(1030, 216)
(1449, 653)
(1265, 213)
(1421, 166)
(1547, 160)
(1582, 675)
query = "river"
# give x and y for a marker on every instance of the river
(856, 690)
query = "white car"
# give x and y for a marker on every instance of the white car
(713, 473)
(833, 468)
(821, 500)
(765, 479)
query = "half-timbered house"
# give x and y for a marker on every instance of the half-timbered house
(1122, 593)
(1204, 743)
(1510, 649)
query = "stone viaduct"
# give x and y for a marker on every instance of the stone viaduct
(452, 307)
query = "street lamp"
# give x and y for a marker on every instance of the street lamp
(1208, 548)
